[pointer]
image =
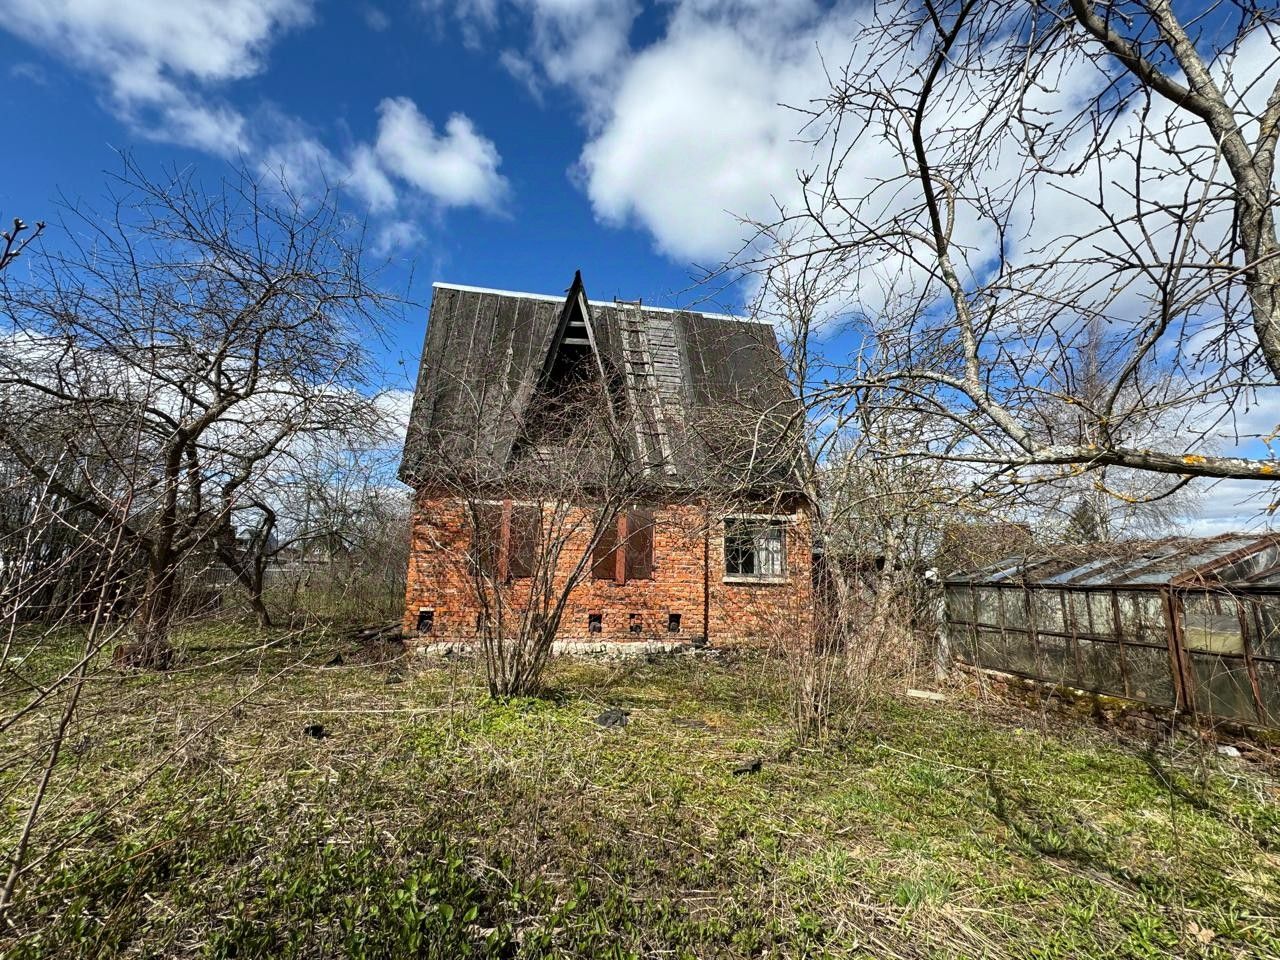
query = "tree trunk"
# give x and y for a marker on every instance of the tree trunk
(151, 648)
(250, 576)
(259, 608)
(942, 650)
(252, 580)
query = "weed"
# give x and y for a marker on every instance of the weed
(432, 822)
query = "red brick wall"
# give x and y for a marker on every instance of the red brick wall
(739, 613)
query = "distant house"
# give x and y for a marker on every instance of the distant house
(716, 543)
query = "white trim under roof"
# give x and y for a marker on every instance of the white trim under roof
(595, 303)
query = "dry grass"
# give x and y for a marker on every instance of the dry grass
(429, 821)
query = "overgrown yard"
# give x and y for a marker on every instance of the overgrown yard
(419, 819)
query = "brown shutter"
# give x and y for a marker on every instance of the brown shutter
(639, 544)
(526, 536)
(486, 537)
(602, 557)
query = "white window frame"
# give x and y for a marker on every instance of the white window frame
(779, 522)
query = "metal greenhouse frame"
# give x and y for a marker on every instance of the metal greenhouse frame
(1191, 624)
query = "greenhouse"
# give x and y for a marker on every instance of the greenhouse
(1192, 624)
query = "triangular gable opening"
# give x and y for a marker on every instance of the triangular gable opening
(573, 385)
(573, 358)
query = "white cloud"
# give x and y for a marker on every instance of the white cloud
(685, 134)
(31, 72)
(409, 169)
(458, 167)
(694, 138)
(368, 180)
(396, 236)
(580, 44)
(161, 58)
(395, 406)
(163, 62)
(300, 161)
(1230, 506)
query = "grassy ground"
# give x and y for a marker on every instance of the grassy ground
(430, 822)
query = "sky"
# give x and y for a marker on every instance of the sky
(498, 143)
(493, 143)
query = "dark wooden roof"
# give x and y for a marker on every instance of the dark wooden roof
(722, 394)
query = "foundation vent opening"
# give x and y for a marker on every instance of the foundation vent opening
(673, 623)
(426, 621)
(595, 622)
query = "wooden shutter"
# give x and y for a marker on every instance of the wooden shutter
(639, 547)
(486, 537)
(526, 536)
(603, 562)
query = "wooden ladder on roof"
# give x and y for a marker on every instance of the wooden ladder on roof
(642, 387)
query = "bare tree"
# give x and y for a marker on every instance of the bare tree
(328, 516)
(60, 571)
(1000, 183)
(530, 528)
(15, 242)
(210, 330)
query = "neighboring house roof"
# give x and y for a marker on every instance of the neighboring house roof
(1231, 560)
(713, 387)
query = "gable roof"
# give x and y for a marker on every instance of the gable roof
(713, 386)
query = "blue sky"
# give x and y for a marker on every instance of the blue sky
(500, 143)
(307, 86)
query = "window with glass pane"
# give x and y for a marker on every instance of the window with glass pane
(754, 548)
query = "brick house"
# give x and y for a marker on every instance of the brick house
(713, 544)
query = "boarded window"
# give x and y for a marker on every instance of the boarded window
(486, 537)
(639, 545)
(526, 535)
(632, 530)
(505, 541)
(603, 559)
(754, 548)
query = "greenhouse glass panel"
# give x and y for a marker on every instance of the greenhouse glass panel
(964, 645)
(1152, 627)
(1142, 619)
(1269, 687)
(1222, 687)
(1021, 651)
(1211, 624)
(1130, 615)
(991, 651)
(1102, 615)
(1013, 604)
(960, 603)
(1101, 662)
(1055, 661)
(1078, 613)
(1047, 607)
(1150, 676)
(988, 606)
(1264, 616)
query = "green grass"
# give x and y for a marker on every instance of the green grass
(192, 817)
